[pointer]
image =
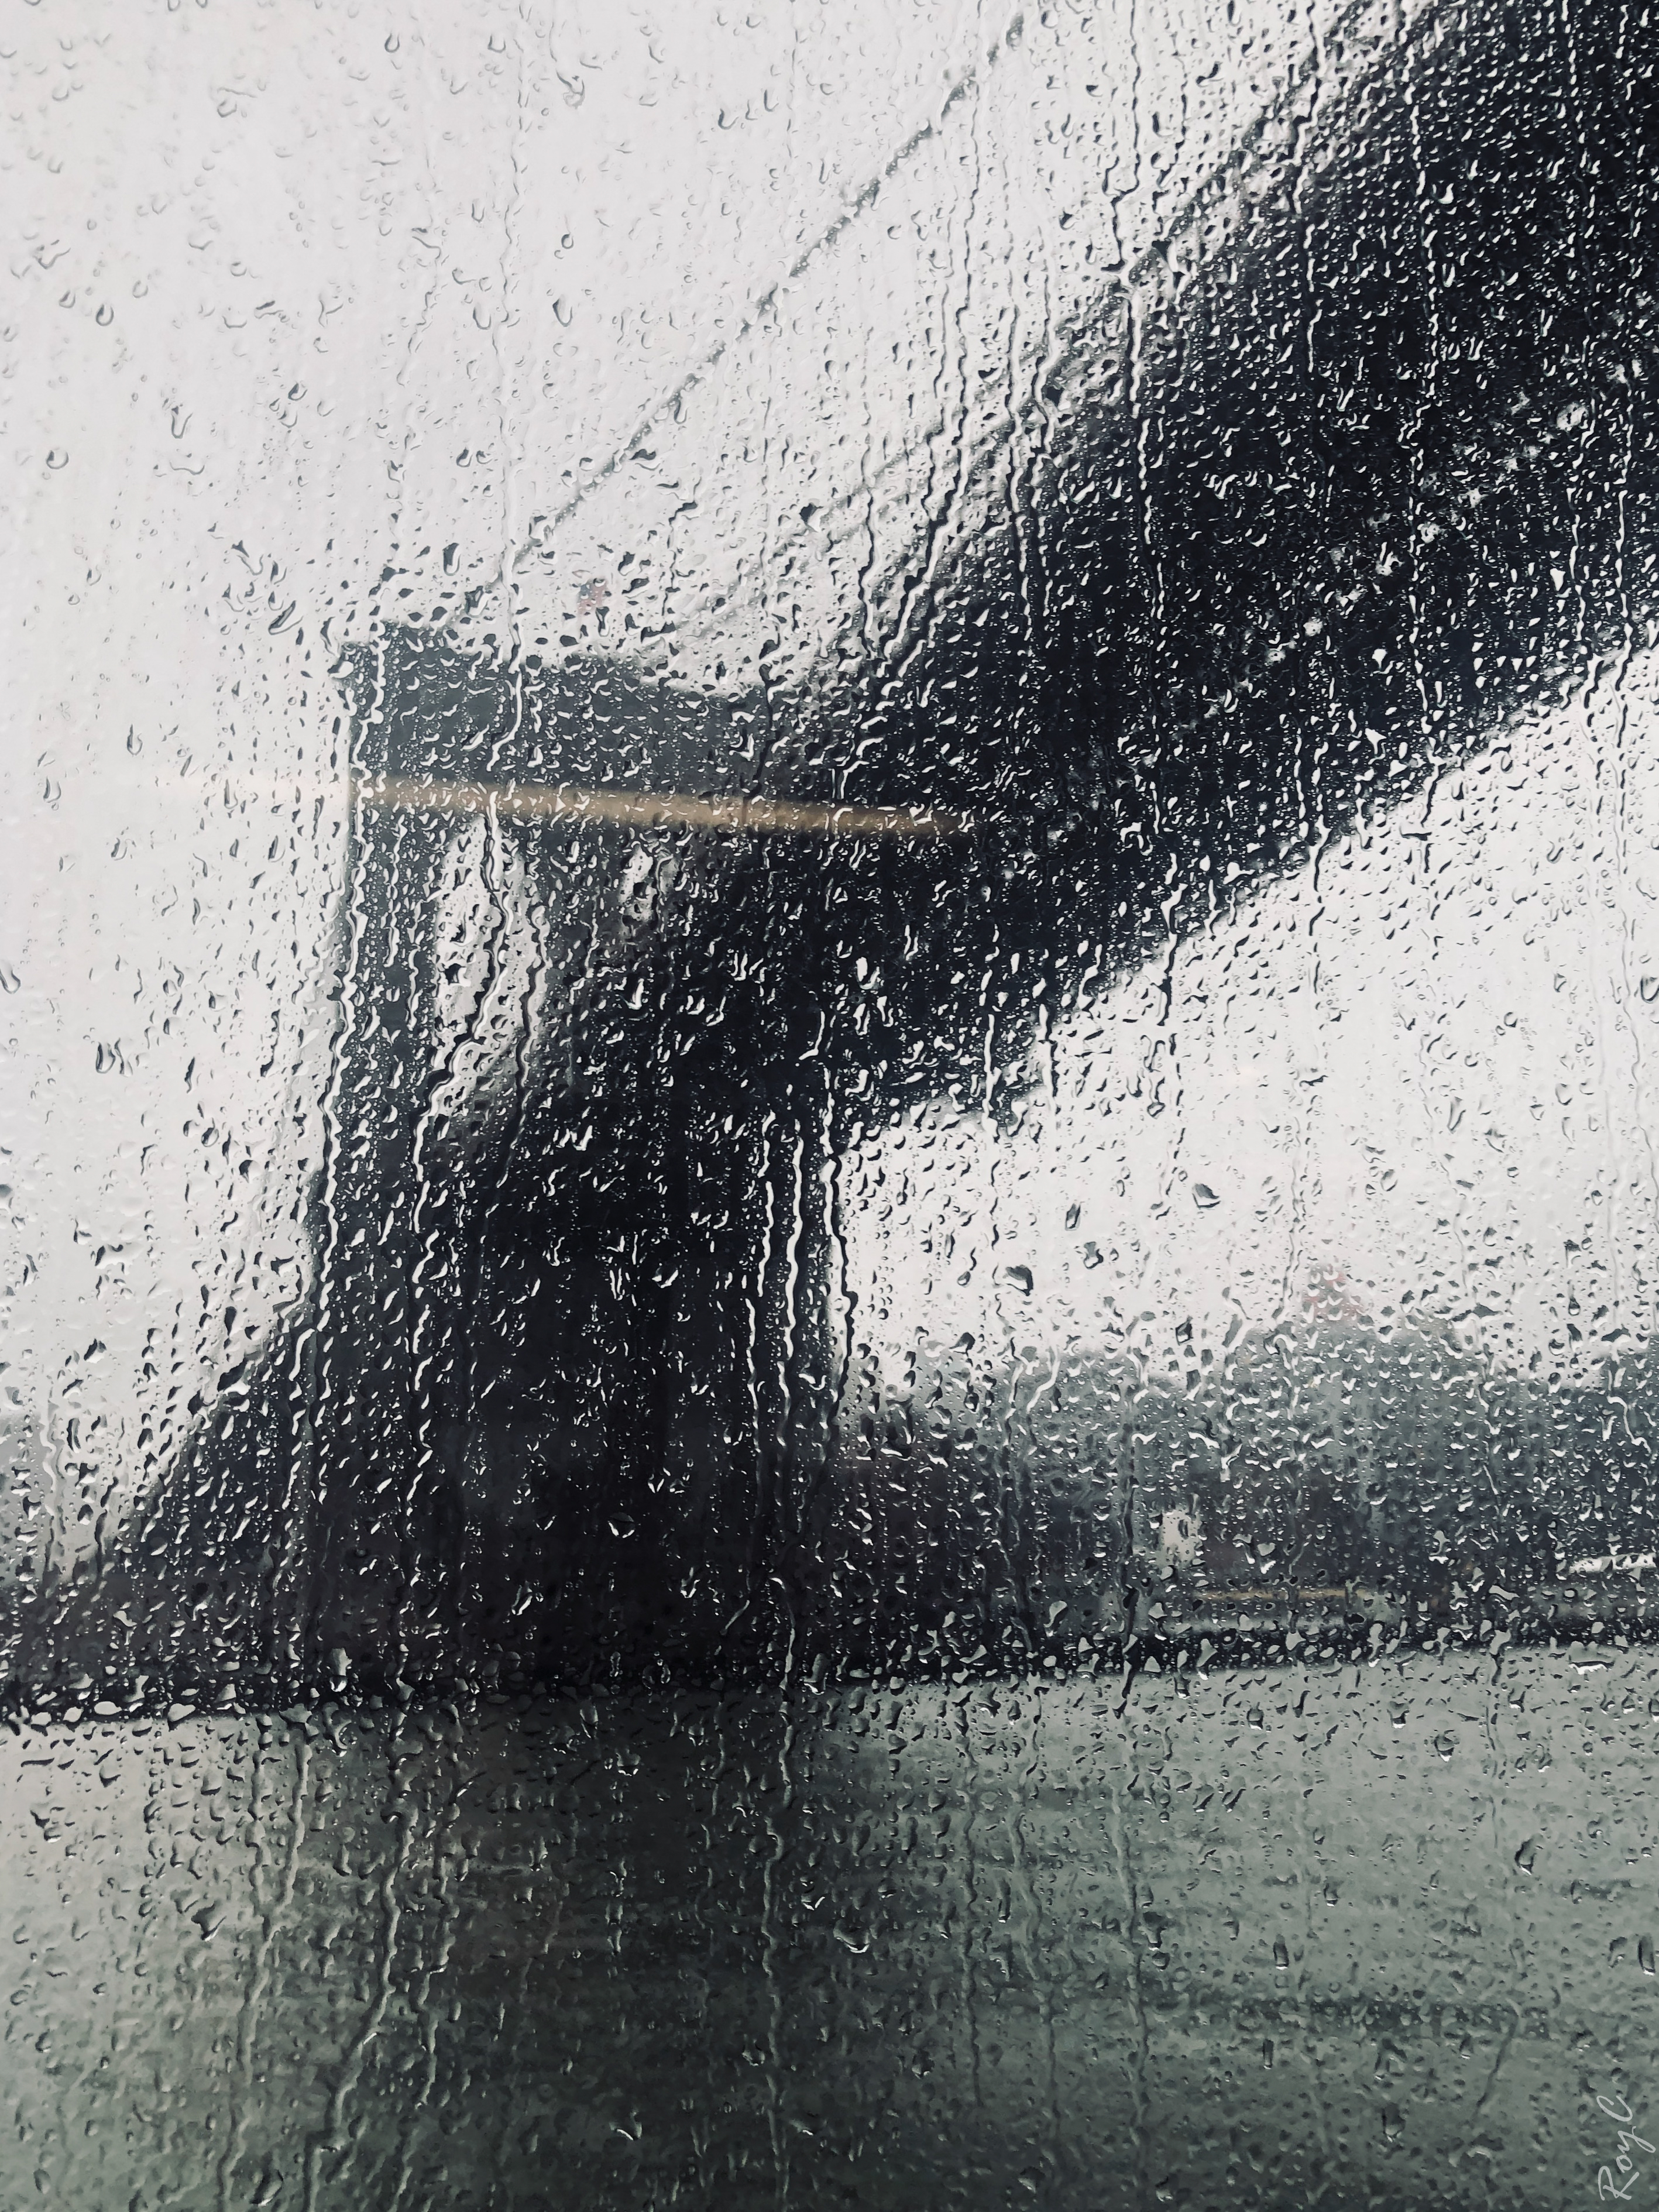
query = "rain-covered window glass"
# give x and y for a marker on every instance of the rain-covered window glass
(831, 1113)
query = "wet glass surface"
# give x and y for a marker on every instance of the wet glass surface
(1378, 1934)
(828, 992)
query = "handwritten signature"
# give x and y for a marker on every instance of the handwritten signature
(1617, 2179)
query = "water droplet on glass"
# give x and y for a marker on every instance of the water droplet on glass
(586, 1548)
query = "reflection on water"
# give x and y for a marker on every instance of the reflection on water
(1326, 1935)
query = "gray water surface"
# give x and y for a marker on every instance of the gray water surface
(1360, 1936)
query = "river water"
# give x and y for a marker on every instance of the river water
(1374, 1935)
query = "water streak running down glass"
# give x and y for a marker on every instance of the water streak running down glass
(832, 989)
